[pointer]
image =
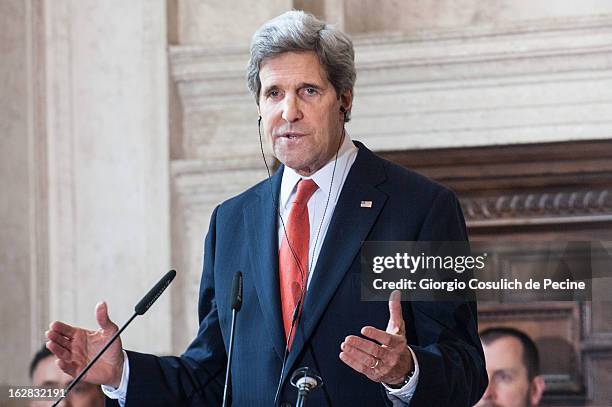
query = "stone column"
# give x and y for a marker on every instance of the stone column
(23, 247)
(86, 185)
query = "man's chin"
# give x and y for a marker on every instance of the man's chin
(302, 170)
(295, 163)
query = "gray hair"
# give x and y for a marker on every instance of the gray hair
(300, 31)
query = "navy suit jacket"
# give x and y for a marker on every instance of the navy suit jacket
(243, 237)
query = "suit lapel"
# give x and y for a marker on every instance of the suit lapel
(348, 228)
(260, 221)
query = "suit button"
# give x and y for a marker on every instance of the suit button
(285, 404)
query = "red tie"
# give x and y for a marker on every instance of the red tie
(294, 276)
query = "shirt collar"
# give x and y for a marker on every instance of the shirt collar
(322, 177)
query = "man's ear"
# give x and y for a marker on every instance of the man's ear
(536, 390)
(346, 100)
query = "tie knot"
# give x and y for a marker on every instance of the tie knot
(305, 189)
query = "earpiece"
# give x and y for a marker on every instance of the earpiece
(342, 109)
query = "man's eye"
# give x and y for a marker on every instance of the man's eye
(311, 91)
(273, 94)
(505, 377)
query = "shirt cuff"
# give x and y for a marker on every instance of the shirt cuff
(120, 393)
(406, 392)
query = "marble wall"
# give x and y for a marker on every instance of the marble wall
(222, 23)
(367, 16)
(17, 234)
(85, 201)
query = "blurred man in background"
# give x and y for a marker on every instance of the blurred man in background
(513, 368)
(45, 373)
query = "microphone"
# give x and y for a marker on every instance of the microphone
(140, 308)
(305, 379)
(237, 291)
(153, 294)
(236, 301)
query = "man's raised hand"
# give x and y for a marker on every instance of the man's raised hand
(385, 357)
(75, 347)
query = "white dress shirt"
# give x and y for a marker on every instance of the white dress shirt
(330, 181)
(318, 217)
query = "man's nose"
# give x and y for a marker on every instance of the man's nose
(489, 393)
(291, 110)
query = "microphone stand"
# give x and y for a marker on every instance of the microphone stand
(229, 358)
(139, 309)
(236, 304)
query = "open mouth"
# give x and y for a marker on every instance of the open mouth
(291, 136)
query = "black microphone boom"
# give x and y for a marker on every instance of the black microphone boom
(236, 305)
(237, 291)
(154, 293)
(140, 308)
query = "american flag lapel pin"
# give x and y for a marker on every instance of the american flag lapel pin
(366, 204)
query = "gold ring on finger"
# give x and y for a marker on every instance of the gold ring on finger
(375, 365)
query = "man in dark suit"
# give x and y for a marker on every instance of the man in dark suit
(297, 239)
